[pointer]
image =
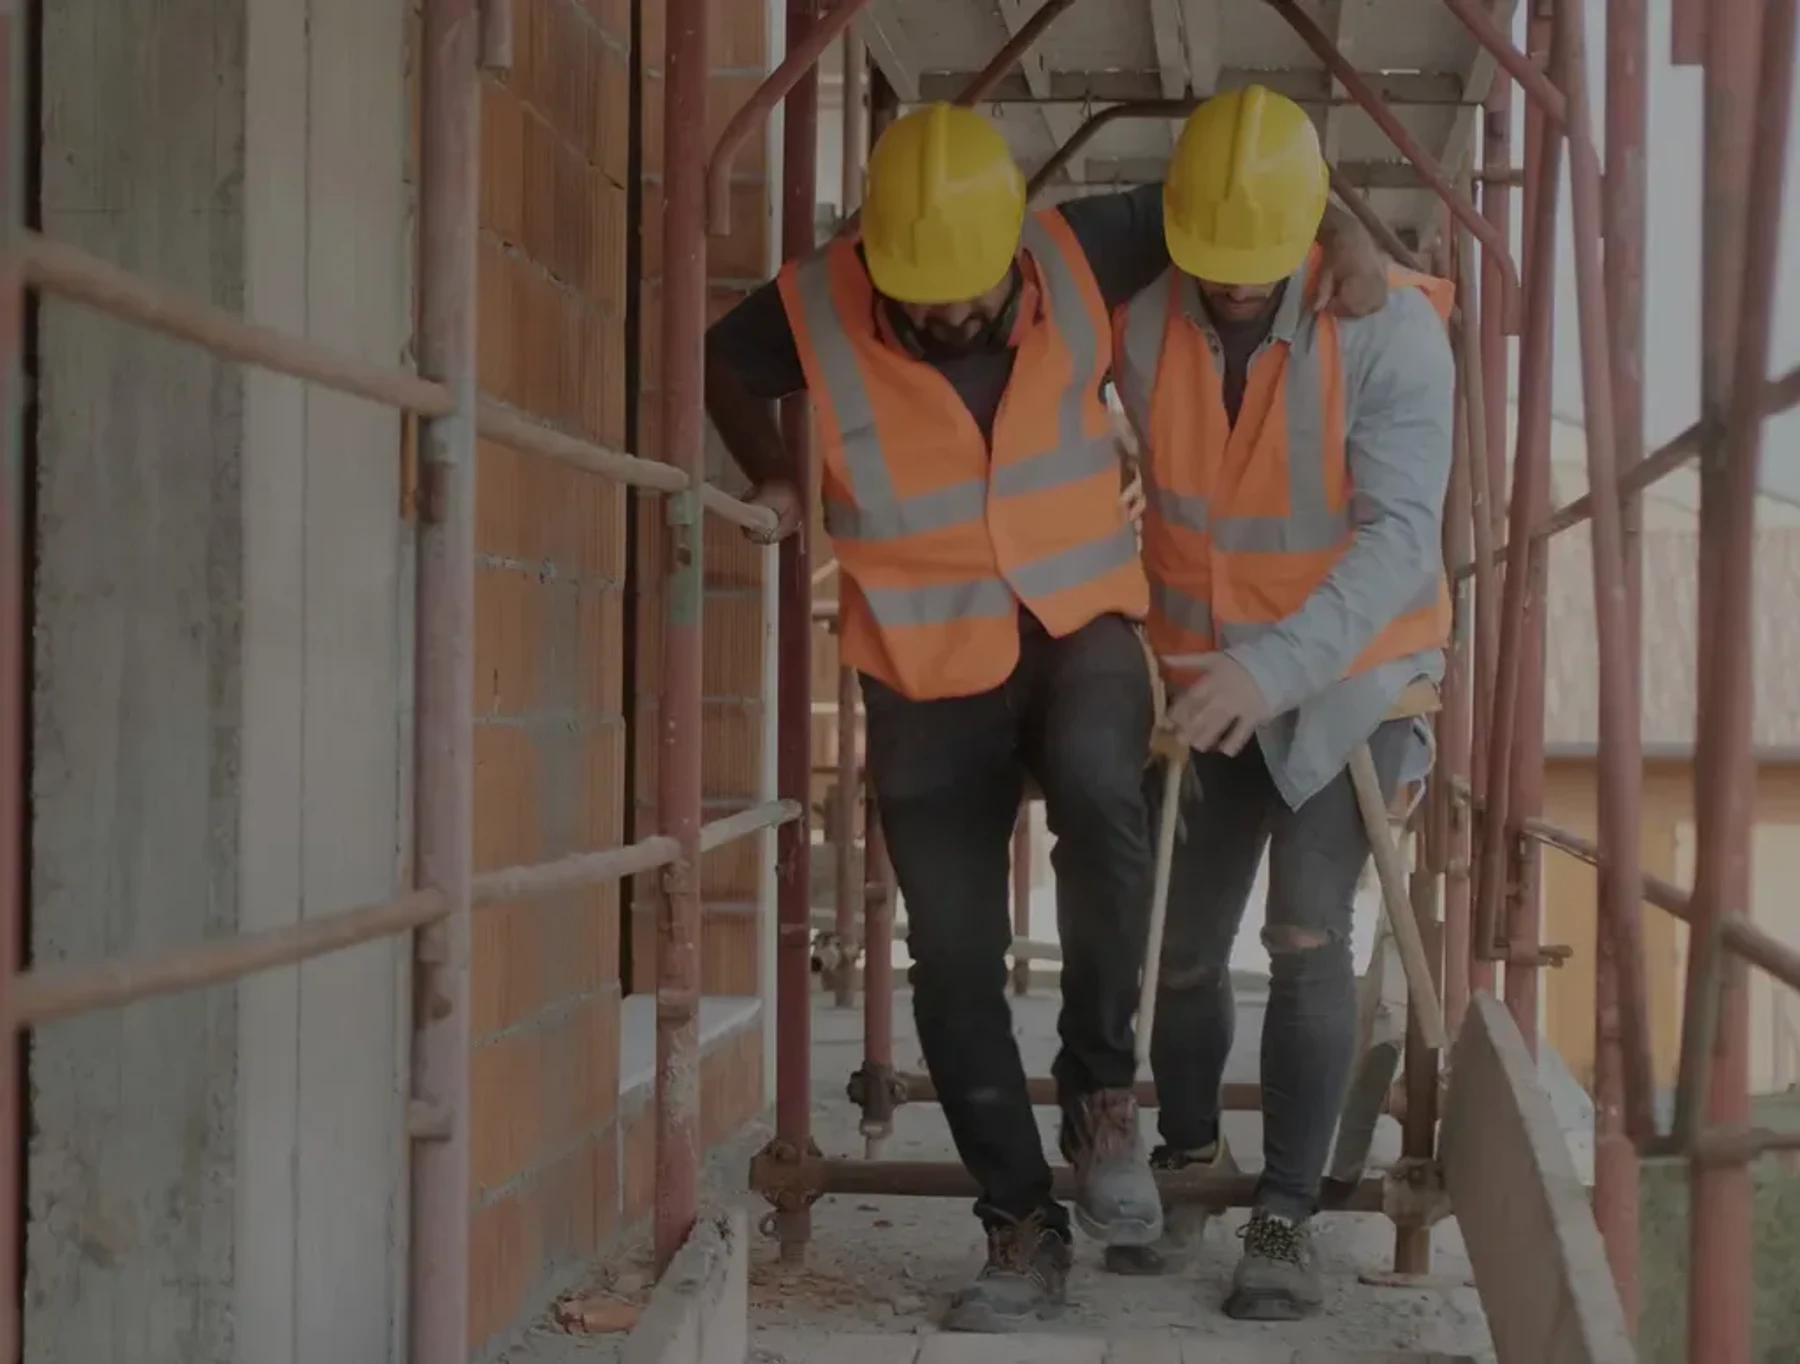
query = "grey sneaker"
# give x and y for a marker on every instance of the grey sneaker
(1184, 1225)
(1116, 1201)
(1025, 1279)
(1278, 1278)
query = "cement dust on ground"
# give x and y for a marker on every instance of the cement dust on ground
(880, 1270)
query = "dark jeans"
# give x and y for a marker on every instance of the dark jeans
(948, 777)
(1230, 814)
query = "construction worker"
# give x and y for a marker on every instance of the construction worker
(956, 352)
(1295, 468)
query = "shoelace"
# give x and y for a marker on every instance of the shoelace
(1013, 1249)
(1271, 1238)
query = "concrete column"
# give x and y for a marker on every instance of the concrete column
(217, 717)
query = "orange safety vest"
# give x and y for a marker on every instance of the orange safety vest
(1242, 522)
(938, 540)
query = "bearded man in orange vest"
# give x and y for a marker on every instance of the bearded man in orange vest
(1295, 468)
(956, 353)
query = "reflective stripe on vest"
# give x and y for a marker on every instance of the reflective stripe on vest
(1183, 527)
(877, 513)
(992, 527)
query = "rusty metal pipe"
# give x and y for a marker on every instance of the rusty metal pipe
(983, 83)
(13, 638)
(1094, 123)
(1373, 223)
(678, 769)
(844, 833)
(1450, 819)
(1616, 1203)
(1408, 146)
(1621, 766)
(1524, 913)
(1537, 85)
(1524, 570)
(800, 64)
(43, 996)
(915, 1087)
(1663, 894)
(793, 910)
(1747, 191)
(448, 212)
(1496, 207)
(497, 36)
(1761, 949)
(1687, 32)
(932, 1179)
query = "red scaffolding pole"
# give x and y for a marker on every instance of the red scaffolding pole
(449, 182)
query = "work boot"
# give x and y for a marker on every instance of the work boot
(1115, 1194)
(1278, 1277)
(1184, 1225)
(1025, 1279)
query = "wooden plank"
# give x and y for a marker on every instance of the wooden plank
(1539, 1264)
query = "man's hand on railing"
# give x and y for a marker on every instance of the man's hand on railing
(783, 499)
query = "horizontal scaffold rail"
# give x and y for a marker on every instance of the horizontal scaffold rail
(74, 274)
(41, 996)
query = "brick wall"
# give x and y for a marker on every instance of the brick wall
(560, 1162)
(731, 727)
(549, 672)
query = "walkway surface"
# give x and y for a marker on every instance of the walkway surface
(879, 1271)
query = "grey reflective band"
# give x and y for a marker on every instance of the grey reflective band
(940, 603)
(1181, 610)
(1310, 525)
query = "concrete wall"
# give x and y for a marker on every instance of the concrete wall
(217, 744)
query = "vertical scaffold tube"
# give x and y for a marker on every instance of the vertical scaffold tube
(12, 676)
(1623, 209)
(448, 209)
(1747, 114)
(793, 1005)
(678, 760)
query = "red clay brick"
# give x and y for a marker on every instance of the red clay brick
(506, 1106)
(496, 360)
(613, 91)
(638, 1137)
(507, 831)
(502, 161)
(503, 1262)
(602, 821)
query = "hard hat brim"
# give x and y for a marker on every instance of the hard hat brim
(1263, 265)
(934, 283)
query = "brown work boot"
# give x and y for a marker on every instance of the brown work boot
(1184, 1225)
(1116, 1201)
(1025, 1279)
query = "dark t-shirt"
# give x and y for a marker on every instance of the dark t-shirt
(1120, 234)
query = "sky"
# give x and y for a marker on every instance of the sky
(1672, 260)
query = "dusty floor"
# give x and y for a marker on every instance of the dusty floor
(888, 1265)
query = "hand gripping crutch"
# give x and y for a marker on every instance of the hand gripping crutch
(1419, 699)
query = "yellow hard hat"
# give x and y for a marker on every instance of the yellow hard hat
(1246, 189)
(942, 207)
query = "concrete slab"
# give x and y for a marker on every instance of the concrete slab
(698, 1311)
(1527, 1219)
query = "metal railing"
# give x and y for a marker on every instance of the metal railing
(437, 912)
(1481, 825)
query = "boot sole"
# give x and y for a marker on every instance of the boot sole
(1248, 1304)
(1120, 1231)
(982, 1319)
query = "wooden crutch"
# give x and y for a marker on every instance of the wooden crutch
(1419, 699)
